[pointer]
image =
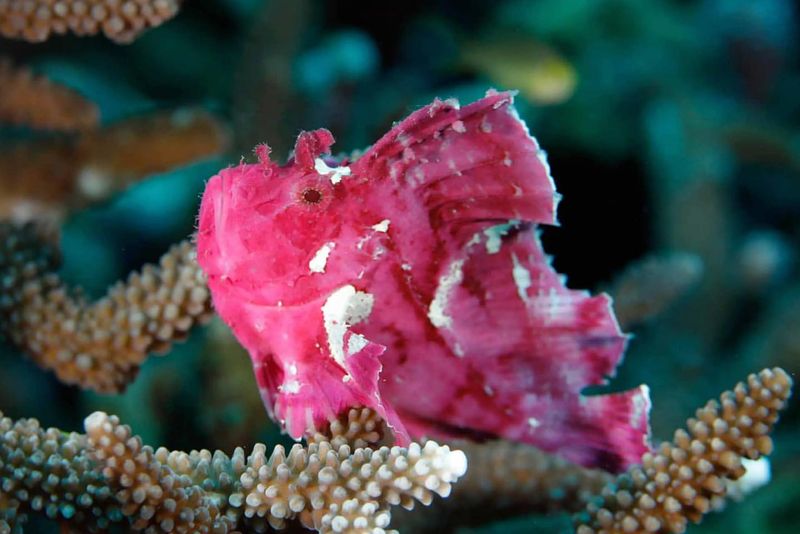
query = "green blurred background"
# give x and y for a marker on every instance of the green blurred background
(671, 126)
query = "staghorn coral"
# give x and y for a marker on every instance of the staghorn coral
(650, 285)
(96, 345)
(47, 178)
(108, 476)
(120, 21)
(685, 479)
(505, 479)
(36, 102)
(49, 472)
(141, 146)
(358, 428)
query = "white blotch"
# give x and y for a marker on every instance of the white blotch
(290, 386)
(488, 390)
(342, 309)
(640, 405)
(436, 310)
(346, 378)
(335, 173)
(494, 235)
(453, 103)
(522, 278)
(94, 183)
(533, 422)
(458, 350)
(378, 252)
(493, 240)
(486, 126)
(758, 473)
(320, 259)
(292, 369)
(456, 463)
(406, 266)
(382, 226)
(458, 127)
(507, 161)
(355, 343)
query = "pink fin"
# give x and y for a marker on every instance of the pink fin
(526, 384)
(311, 145)
(468, 165)
(308, 393)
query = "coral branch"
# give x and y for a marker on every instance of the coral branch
(507, 479)
(96, 345)
(45, 179)
(141, 146)
(36, 102)
(650, 285)
(49, 472)
(687, 478)
(358, 428)
(35, 20)
(108, 476)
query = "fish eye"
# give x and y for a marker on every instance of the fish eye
(311, 195)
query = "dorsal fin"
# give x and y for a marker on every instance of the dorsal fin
(311, 145)
(472, 165)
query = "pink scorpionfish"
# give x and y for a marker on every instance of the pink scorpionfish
(412, 281)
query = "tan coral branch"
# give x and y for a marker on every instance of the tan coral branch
(119, 20)
(109, 476)
(97, 345)
(650, 285)
(507, 479)
(34, 101)
(49, 472)
(687, 478)
(42, 180)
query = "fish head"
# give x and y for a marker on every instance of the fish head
(269, 230)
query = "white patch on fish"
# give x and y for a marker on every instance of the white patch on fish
(382, 226)
(436, 310)
(522, 278)
(355, 343)
(320, 260)
(640, 405)
(290, 386)
(342, 309)
(335, 173)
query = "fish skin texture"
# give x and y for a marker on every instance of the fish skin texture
(413, 281)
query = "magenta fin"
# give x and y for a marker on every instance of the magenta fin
(556, 341)
(470, 164)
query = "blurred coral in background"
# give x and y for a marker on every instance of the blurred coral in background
(671, 131)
